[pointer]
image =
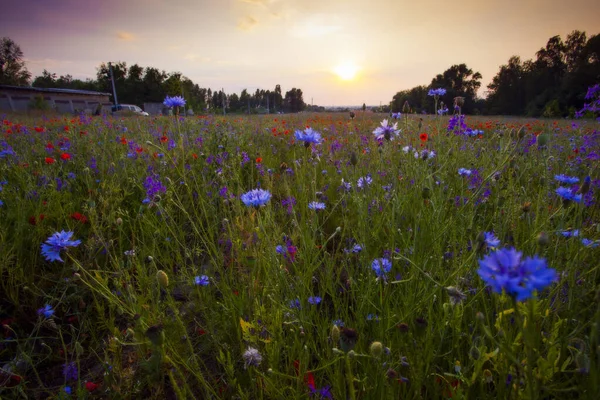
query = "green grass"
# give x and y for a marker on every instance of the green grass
(137, 339)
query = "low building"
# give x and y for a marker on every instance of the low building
(21, 98)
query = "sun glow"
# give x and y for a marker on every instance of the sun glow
(346, 71)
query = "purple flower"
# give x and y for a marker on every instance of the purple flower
(436, 92)
(46, 311)
(70, 371)
(175, 101)
(364, 181)
(567, 194)
(505, 270)
(252, 357)
(256, 197)
(386, 130)
(322, 393)
(589, 243)
(464, 172)
(315, 205)
(308, 136)
(566, 179)
(153, 186)
(56, 243)
(381, 266)
(491, 240)
(314, 300)
(201, 280)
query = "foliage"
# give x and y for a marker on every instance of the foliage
(179, 289)
(558, 76)
(12, 65)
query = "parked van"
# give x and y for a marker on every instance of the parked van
(129, 107)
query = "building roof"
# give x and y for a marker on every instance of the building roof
(54, 90)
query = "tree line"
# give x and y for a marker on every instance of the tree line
(551, 85)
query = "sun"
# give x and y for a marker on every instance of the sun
(346, 71)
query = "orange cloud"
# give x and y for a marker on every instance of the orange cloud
(247, 23)
(127, 36)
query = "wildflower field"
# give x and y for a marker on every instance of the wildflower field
(299, 256)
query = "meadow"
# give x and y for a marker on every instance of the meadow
(299, 256)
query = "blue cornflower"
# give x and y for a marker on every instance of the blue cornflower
(357, 248)
(201, 280)
(491, 240)
(373, 317)
(505, 270)
(314, 300)
(256, 197)
(68, 390)
(570, 233)
(153, 186)
(46, 311)
(436, 92)
(339, 323)
(364, 181)
(567, 194)
(396, 115)
(386, 130)
(464, 172)
(1, 203)
(589, 243)
(70, 371)
(308, 136)
(175, 101)
(566, 179)
(322, 393)
(54, 244)
(315, 205)
(381, 266)
(295, 304)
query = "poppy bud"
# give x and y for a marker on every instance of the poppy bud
(335, 334)
(376, 349)
(162, 278)
(543, 239)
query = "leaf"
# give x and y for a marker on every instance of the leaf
(246, 329)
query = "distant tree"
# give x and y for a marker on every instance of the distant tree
(364, 107)
(277, 99)
(294, 100)
(416, 98)
(46, 80)
(459, 81)
(153, 84)
(506, 94)
(12, 66)
(119, 74)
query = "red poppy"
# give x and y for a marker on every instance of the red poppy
(66, 128)
(258, 160)
(91, 386)
(39, 129)
(50, 160)
(195, 156)
(50, 146)
(79, 217)
(164, 139)
(123, 140)
(423, 137)
(65, 156)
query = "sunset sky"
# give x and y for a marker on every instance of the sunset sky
(339, 52)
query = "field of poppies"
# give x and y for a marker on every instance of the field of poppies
(299, 256)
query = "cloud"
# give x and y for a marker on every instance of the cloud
(256, 2)
(196, 57)
(247, 23)
(127, 36)
(314, 26)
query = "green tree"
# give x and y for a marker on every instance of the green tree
(46, 80)
(459, 80)
(12, 66)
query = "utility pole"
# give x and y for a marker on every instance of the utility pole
(112, 80)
